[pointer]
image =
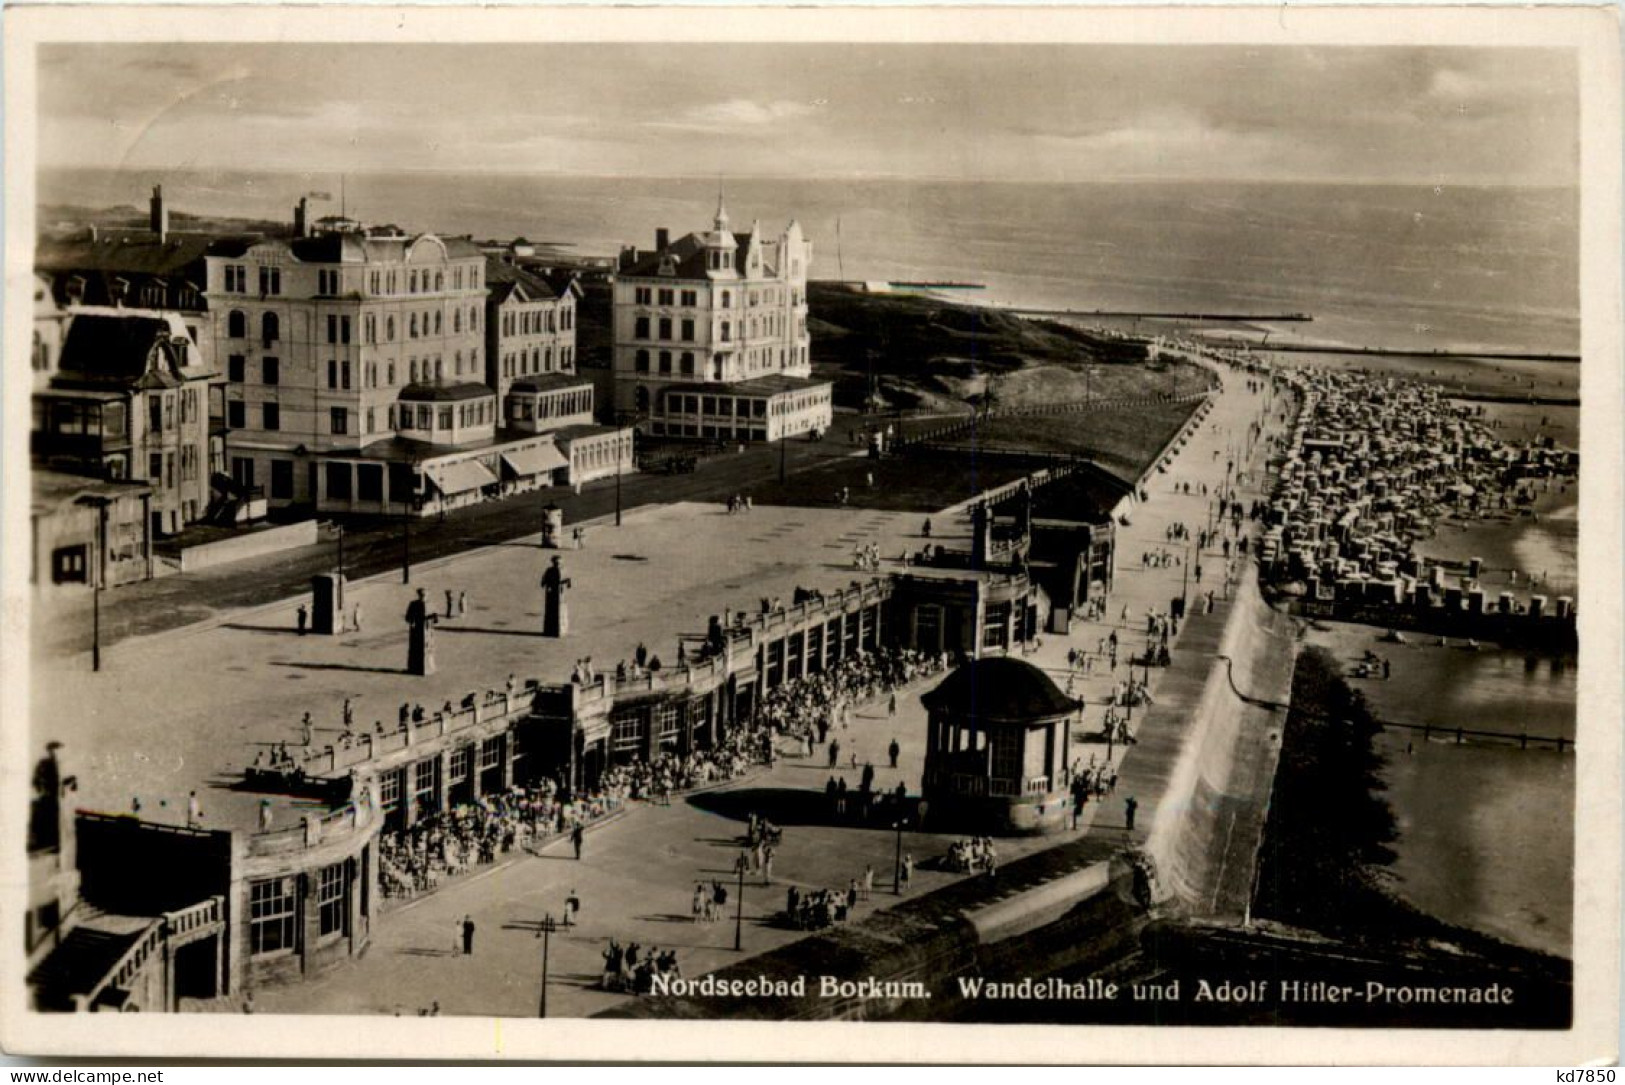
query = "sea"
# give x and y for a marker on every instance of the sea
(1487, 834)
(1410, 267)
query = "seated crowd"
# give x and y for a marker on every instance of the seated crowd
(803, 706)
(439, 846)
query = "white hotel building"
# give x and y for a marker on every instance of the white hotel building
(357, 373)
(711, 336)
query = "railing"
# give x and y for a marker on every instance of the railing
(196, 917)
(313, 830)
(332, 759)
(130, 964)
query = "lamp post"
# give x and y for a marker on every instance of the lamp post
(784, 452)
(544, 930)
(897, 861)
(739, 905)
(406, 540)
(341, 551)
(98, 574)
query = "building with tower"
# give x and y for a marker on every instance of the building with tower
(710, 336)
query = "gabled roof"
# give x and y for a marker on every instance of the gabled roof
(505, 281)
(689, 252)
(115, 349)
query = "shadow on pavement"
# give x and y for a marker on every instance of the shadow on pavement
(339, 667)
(780, 805)
(490, 632)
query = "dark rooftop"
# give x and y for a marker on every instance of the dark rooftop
(443, 393)
(999, 688)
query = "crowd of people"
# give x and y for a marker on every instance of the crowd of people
(632, 968)
(810, 706)
(973, 856)
(440, 846)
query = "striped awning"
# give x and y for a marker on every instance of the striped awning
(459, 477)
(536, 460)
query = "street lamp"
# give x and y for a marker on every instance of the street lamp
(98, 574)
(739, 910)
(406, 541)
(783, 453)
(897, 862)
(544, 930)
(341, 551)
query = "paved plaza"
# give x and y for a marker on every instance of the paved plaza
(189, 709)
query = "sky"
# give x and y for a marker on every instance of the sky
(1483, 116)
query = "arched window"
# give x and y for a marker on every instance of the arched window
(456, 320)
(437, 324)
(440, 280)
(389, 329)
(412, 328)
(414, 370)
(727, 299)
(687, 363)
(473, 318)
(642, 361)
(270, 328)
(237, 324)
(439, 369)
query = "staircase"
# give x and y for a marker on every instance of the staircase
(79, 964)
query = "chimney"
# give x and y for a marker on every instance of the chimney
(301, 218)
(629, 256)
(662, 239)
(160, 213)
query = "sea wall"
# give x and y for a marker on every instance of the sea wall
(1209, 820)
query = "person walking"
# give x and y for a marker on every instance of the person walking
(355, 618)
(1130, 806)
(450, 601)
(892, 751)
(303, 617)
(577, 835)
(891, 705)
(468, 935)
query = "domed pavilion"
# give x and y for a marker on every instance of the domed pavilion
(996, 757)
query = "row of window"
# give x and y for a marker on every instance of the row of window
(539, 360)
(689, 299)
(270, 279)
(338, 371)
(330, 281)
(338, 418)
(419, 325)
(641, 325)
(537, 321)
(685, 362)
(421, 416)
(558, 405)
(273, 909)
(726, 406)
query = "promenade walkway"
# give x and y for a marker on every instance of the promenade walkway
(637, 874)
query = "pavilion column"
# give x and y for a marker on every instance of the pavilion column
(509, 747)
(443, 781)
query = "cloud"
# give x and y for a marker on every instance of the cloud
(738, 113)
